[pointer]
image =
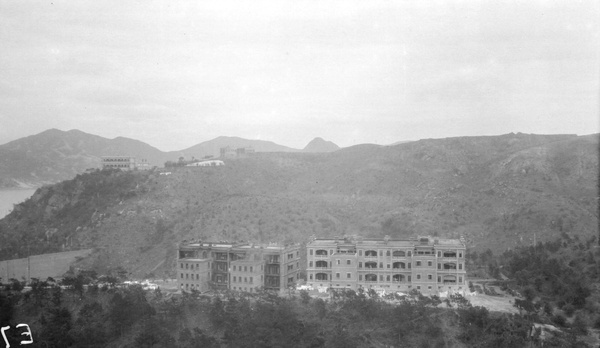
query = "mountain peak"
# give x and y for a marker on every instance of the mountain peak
(320, 145)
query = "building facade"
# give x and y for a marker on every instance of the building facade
(429, 265)
(241, 266)
(120, 162)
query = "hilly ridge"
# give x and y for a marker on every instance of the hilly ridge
(55, 155)
(496, 192)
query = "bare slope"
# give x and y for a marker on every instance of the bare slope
(497, 192)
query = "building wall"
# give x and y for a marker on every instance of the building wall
(193, 274)
(121, 162)
(246, 267)
(388, 264)
(247, 275)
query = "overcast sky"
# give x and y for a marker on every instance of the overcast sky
(176, 73)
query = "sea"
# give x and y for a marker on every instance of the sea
(8, 198)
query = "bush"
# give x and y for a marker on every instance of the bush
(569, 310)
(559, 320)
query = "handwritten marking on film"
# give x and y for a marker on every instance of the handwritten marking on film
(27, 333)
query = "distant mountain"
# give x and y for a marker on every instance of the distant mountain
(56, 155)
(320, 145)
(212, 147)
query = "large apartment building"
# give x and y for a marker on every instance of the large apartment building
(237, 266)
(429, 265)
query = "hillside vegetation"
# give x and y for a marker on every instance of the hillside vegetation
(496, 192)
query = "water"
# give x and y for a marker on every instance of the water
(8, 198)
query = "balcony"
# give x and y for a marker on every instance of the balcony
(273, 261)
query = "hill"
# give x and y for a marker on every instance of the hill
(212, 147)
(496, 192)
(320, 145)
(56, 155)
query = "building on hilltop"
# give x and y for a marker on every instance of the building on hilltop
(124, 163)
(120, 162)
(429, 265)
(241, 266)
(209, 163)
(229, 152)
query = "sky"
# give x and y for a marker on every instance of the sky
(177, 73)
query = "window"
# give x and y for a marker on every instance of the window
(309, 277)
(460, 279)
(234, 267)
(197, 277)
(182, 266)
(409, 264)
(418, 276)
(439, 254)
(409, 278)
(439, 266)
(310, 251)
(460, 266)
(439, 279)
(187, 266)
(181, 275)
(245, 280)
(197, 266)
(460, 255)
(348, 262)
(337, 276)
(381, 265)
(348, 275)
(429, 263)
(418, 263)
(251, 280)
(418, 287)
(360, 277)
(387, 253)
(387, 278)
(381, 277)
(234, 279)
(337, 262)
(360, 265)
(250, 268)
(310, 264)
(409, 253)
(430, 277)
(380, 252)
(399, 253)
(429, 287)
(388, 265)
